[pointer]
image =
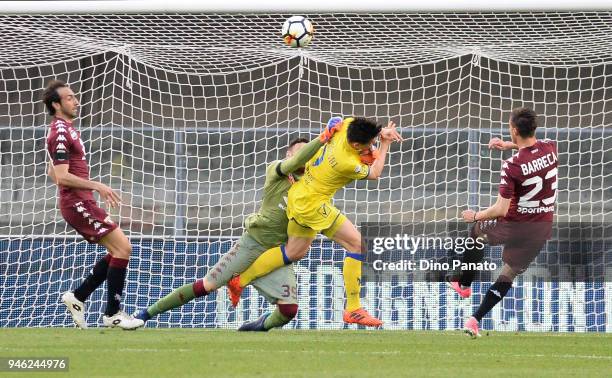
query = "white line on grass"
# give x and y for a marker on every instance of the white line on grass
(574, 356)
(154, 350)
(396, 352)
(372, 352)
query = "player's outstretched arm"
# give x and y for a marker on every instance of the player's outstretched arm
(303, 155)
(298, 160)
(388, 135)
(65, 178)
(498, 144)
(499, 209)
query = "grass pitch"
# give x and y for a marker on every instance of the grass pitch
(213, 353)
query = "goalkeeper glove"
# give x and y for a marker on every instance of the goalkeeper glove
(333, 125)
(369, 156)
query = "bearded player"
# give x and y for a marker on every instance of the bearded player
(263, 230)
(310, 210)
(70, 171)
(521, 219)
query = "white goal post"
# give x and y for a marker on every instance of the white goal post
(184, 103)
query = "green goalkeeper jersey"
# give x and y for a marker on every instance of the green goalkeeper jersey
(268, 226)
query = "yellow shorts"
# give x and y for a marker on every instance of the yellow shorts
(298, 229)
(312, 212)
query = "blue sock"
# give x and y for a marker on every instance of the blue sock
(143, 315)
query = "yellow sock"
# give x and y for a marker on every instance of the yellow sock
(267, 262)
(352, 281)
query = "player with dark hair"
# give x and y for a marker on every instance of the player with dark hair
(348, 157)
(521, 219)
(263, 230)
(70, 171)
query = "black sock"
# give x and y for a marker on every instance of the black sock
(93, 280)
(495, 294)
(115, 279)
(471, 255)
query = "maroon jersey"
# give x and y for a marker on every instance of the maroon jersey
(65, 146)
(529, 180)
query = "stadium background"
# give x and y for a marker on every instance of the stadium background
(182, 117)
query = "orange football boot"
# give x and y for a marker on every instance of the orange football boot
(361, 316)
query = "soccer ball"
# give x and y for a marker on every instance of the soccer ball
(297, 31)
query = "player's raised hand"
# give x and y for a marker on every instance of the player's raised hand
(390, 134)
(108, 195)
(468, 216)
(330, 129)
(498, 144)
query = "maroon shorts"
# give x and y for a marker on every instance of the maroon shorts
(89, 220)
(522, 241)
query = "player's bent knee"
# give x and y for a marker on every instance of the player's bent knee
(352, 245)
(123, 252)
(507, 274)
(128, 250)
(208, 285)
(117, 244)
(356, 247)
(199, 288)
(289, 310)
(295, 253)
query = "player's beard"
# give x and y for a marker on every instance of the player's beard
(72, 113)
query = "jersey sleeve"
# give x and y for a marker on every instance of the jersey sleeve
(59, 146)
(506, 183)
(300, 158)
(553, 144)
(272, 172)
(357, 170)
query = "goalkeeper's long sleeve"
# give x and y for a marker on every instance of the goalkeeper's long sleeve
(301, 157)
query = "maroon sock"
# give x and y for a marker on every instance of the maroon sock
(198, 289)
(115, 279)
(94, 279)
(289, 310)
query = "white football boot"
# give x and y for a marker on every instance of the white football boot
(122, 320)
(76, 309)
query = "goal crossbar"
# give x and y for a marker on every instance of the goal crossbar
(278, 6)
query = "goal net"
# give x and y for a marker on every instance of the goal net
(181, 113)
